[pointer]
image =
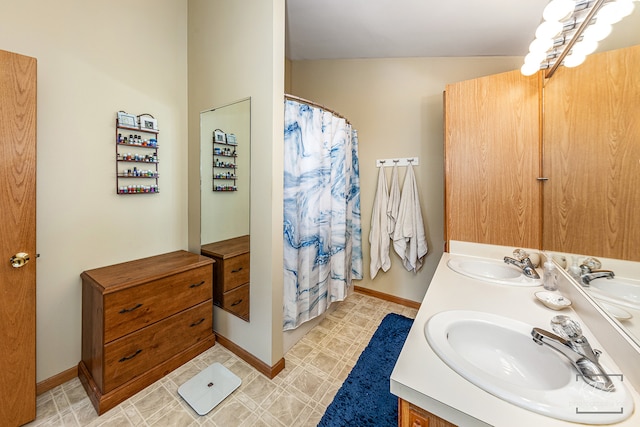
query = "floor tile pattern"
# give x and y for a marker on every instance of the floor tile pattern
(298, 396)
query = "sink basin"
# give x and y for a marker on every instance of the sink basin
(492, 271)
(620, 291)
(498, 355)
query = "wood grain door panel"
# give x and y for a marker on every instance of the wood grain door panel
(592, 157)
(18, 234)
(492, 160)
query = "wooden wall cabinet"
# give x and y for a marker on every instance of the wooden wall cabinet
(141, 320)
(414, 416)
(492, 160)
(564, 181)
(231, 288)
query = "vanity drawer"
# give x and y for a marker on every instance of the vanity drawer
(236, 301)
(132, 355)
(139, 306)
(234, 271)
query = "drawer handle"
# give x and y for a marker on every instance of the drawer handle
(236, 302)
(129, 310)
(195, 285)
(237, 270)
(124, 359)
(197, 323)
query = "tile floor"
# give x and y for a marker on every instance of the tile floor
(298, 396)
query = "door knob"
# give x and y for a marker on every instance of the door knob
(19, 259)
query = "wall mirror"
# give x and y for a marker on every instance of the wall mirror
(225, 164)
(624, 34)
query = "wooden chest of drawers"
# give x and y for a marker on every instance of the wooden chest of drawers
(141, 320)
(231, 274)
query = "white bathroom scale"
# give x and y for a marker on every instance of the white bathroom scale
(208, 388)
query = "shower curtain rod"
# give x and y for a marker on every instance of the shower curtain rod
(315, 104)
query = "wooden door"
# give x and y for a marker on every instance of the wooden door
(592, 153)
(492, 160)
(17, 234)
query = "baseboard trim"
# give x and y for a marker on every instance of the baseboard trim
(56, 380)
(387, 297)
(259, 365)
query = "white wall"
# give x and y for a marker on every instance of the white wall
(236, 50)
(397, 107)
(94, 59)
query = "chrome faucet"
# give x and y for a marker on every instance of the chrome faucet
(523, 262)
(575, 347)
(590, 270)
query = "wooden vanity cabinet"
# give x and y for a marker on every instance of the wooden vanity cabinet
(413, 416)
(231, 274)
(141, 320)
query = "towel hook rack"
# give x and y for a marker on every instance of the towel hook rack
(399, 161)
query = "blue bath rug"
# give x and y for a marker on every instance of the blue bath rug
(364, 398)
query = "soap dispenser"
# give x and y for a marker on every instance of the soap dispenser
(574, 269)
(550, 276)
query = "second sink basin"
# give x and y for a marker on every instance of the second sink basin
(620, 291)
(490, 271)
(498, 355)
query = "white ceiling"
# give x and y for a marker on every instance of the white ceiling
(339, 29)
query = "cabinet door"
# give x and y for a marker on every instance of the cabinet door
(413, 416)
(492, 160)
(591, 157)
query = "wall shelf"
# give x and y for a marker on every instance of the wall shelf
(138, 147)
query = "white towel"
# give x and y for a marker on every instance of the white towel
(394, 201)
(378, 235)
(409, 240)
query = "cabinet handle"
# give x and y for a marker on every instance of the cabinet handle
(236, 271)
(195, 285)
(236, 302)
(128, 310)
(196, 323)
(124, 359)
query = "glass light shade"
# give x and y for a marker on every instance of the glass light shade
(597, 31)
(529, 69)
(574, 60)
(558, 10)
(548, 29)
(609, 13)
(584, 47)
(535, 58)
(540, 45)
(626, 7)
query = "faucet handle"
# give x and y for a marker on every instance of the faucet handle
(591, 263)
(566, 327)
(520, 254)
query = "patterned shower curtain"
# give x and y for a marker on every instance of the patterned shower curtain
(322, 234)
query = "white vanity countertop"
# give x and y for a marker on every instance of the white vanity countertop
(422, 378)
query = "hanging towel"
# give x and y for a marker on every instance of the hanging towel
(394, 201)
(409, 240)
(378, 235)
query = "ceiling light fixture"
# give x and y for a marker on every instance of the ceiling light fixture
(571, 30)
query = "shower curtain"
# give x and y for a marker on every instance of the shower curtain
(322, 234)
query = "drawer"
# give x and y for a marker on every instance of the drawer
(236, 301)
(139, 306)
(235, 272)
(136, 353)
